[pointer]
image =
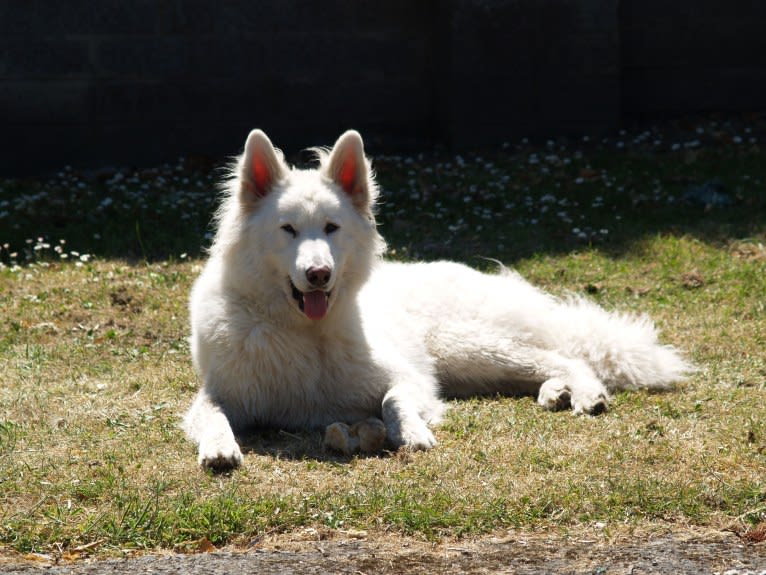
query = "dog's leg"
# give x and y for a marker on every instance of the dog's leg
(482, 366)
(569, 383)
(207, 425)
(577, 387)
(407, 410)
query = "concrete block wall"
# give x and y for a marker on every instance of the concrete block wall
(107, 82)
(692, 56)
(529, 68)
(93, 83)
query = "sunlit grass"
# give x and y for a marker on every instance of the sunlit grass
(96, 370)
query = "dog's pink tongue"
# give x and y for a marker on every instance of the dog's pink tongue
(315, 304)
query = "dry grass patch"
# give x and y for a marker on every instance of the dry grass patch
(96, 371)
(96, 374)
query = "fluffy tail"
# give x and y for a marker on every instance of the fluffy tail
(622, 349)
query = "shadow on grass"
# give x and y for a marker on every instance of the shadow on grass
(719, 227)
(610, 202)
(294, 446)
(507, 205)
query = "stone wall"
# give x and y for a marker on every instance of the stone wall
(92, 83)
(692, 56)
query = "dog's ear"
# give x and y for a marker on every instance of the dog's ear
(260, 167)
(349, 169)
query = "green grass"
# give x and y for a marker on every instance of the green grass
(96, 371)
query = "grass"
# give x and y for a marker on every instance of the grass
(96, 270)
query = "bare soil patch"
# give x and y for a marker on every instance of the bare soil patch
(689, 553)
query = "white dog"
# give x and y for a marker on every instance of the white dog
(297, 322)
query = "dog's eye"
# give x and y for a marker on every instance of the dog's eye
(290, 230)
(330, 228)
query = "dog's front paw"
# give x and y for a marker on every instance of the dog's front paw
(413, 435)
(219, 455)
(554, 395)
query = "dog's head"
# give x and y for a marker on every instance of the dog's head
(300, 238)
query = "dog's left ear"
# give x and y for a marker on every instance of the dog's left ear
(350, 170)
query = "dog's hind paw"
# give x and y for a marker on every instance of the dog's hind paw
(367, 436)
(337, 437)
(219, 457)
(595, 405)
(372, 435)
(556, 395)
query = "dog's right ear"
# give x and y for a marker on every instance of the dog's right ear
(260, 167)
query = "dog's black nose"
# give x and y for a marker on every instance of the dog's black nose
(318, 277)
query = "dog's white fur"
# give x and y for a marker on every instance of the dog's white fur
(392, 338)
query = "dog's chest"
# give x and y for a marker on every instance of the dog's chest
(309, 378)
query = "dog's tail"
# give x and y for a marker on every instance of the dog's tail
(622, 349)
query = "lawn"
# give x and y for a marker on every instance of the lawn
(95, 274)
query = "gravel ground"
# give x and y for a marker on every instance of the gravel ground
(711, 553)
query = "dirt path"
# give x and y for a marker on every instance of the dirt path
(710, 553)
